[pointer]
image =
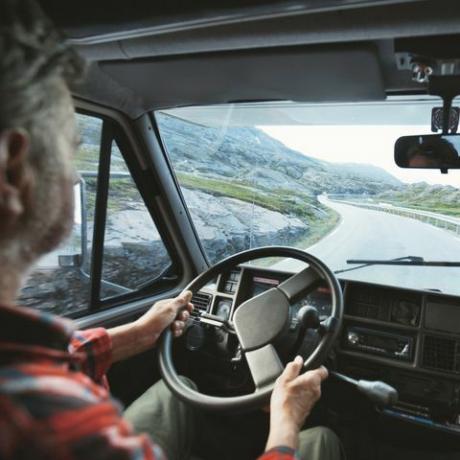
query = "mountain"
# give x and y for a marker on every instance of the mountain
(367, 172)
(252, 158)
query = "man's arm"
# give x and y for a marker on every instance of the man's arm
(101, 347)
(74, 419)
(292, 400)
(141, 335)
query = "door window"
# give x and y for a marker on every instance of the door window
(134, 253)
(115, 250)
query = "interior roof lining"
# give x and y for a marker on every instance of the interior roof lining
(389, 22)
(153, 25)
(109, 81)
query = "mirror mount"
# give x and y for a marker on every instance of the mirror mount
(447, 87)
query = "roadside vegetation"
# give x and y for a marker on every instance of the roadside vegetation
(424, 197)
(436, 207)
(321, 220)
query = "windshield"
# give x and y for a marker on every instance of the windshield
(321, 178)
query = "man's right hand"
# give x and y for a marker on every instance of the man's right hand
(292, 400)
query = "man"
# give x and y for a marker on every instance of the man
(53, 399)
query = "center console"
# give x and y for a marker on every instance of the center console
(411, 340)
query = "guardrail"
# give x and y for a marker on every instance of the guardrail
(451, 224)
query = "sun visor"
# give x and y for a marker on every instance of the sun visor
(345, 73)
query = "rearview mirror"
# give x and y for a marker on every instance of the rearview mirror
(434, 151)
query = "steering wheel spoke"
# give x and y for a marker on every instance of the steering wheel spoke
(265, 365)
(300, 284)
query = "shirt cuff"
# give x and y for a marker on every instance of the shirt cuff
(96, 347)
(279, 453)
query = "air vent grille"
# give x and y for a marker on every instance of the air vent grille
(201, 302)
(441, 354)
(392, 306)
(369, 311)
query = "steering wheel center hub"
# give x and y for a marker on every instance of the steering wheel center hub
(260, 320)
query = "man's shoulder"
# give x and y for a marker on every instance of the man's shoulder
(43, 391)
(46, 406)
(33, 371)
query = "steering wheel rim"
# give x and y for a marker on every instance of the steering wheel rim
(261, 396)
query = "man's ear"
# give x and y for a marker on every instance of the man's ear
(15, 176)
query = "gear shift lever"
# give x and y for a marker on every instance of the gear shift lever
(378, 392)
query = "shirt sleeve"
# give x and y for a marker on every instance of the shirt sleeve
(95, 346)
(111, 437)
(279, 453)
(67, 423)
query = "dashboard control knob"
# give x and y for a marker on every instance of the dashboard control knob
(353, 338)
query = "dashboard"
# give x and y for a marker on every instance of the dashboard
(409, 339)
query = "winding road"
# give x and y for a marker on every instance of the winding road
(370, 234)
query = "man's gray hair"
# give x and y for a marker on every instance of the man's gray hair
(34, 63)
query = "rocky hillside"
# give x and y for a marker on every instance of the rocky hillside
(444, 199)
(250, 157)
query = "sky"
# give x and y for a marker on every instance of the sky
(359, 144)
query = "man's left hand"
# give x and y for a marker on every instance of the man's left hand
(133, 338)
(168, 312)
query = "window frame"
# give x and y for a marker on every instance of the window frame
(172, 171)
(169, 279)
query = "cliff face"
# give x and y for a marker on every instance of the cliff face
(226, 225)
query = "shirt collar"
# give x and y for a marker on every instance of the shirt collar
(29, 326)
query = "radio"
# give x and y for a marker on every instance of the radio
(385, 344)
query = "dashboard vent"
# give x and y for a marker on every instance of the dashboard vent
(388, 305)
(201, 302)
(441, 354)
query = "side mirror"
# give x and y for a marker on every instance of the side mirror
(434, 151)
(76, 248)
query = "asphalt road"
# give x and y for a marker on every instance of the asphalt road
(369, 234)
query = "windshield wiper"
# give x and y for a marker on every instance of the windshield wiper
(406, 260)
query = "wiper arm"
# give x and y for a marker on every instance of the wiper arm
(406, 260)
(409, 260)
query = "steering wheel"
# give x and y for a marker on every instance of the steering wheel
(258, 322)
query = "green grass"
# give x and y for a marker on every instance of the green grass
(319, 229)
(279, 200)
(440, 208)
(439, 199)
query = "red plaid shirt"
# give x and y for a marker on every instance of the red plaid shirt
(54, 400)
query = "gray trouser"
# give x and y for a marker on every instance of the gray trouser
(174, 426)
